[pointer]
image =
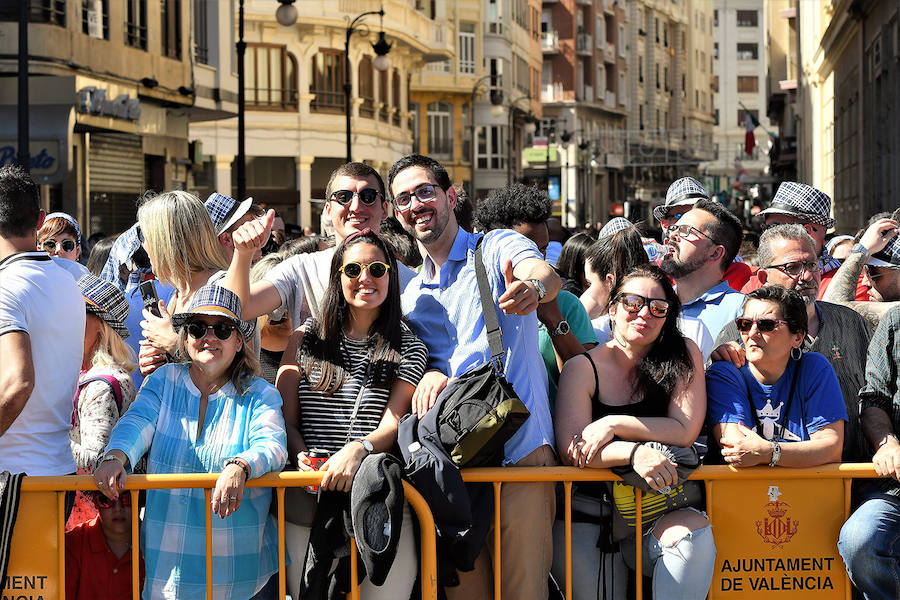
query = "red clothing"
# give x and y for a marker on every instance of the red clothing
(737, 274)
(92, 570)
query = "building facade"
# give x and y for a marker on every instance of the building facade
(781, 86)
(113, 87)
(295, 117)
(740, 63)
(579, 151)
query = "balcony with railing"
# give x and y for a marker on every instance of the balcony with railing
(550, 41)
(584, 44)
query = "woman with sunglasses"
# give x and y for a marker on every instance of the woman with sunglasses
(780, 395)
(644, 385)
(60, 236)
(98, 552)
(350, 377)
(210, 414)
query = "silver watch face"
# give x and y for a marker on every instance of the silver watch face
(563, 328)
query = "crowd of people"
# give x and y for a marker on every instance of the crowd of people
(202, 340)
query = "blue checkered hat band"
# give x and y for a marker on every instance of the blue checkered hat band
(105, 300)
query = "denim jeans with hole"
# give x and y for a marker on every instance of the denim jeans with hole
(870, 546)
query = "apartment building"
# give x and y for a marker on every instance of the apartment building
(296, 105)
(113, 87)
(668, 131)
(848, 136)
(740, 63)
(584, 93)
(488, 89)
(782, 50)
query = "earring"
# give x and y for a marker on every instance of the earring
(796, 353)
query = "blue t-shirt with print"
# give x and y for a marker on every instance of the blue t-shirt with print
(818, 401)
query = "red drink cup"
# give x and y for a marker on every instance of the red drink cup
(317, 458)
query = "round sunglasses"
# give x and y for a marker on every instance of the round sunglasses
(744, 324)
(367, 196)
(633, 303)
(376, 268)
(49, 246)
(222, 329)
(425, 193)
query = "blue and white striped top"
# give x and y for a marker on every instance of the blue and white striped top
(163, 419)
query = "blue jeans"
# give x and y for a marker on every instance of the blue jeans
(870, 546)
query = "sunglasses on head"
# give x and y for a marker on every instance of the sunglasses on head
(49, 246)
(101, 501)
(377, 269)
(633, 303)
(425, 193)
(367, 196)
(744, 324)
(222, 329)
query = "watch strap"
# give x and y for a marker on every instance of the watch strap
(859, 249)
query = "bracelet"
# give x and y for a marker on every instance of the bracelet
(241, 464)
(109, 457)
(634, 450)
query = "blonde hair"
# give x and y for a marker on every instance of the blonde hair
(112, 350)
(179, 233)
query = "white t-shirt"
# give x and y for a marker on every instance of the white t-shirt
(302, 280)
(691, 328)
(40, 298)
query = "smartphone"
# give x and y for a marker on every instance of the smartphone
(149, 296)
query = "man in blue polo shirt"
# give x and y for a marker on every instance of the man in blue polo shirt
(702, 245)
(443, 306)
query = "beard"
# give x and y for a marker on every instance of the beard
(676, 269)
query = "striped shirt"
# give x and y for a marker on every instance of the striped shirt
(325, 420)
(249, 426)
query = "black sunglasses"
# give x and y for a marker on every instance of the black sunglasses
(49, 246)
(762, 325)
(425, 193)
(101, 501)
(633, 303)
(377, 269)
(367, 196)
(222, 329)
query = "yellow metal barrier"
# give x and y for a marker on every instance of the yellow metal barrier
(782, 526)
(206, 481)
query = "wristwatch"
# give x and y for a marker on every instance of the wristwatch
(539, 288)
(366, 444)
(561, 329)
(776, 453)
(859, 249)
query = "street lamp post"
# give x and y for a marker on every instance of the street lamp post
(529, 128)
(381, 63)
(583, 145)
(241, 48)
(564, 138)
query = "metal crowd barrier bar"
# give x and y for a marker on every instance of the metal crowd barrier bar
(567, 475)
(207, 481)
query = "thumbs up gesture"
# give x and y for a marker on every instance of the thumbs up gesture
(520, 297)
(253, 235)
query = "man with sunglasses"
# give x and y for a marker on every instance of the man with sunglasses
(787, 254)
(355, 200)
(42, 320)
(681, 197)
(797, 203)
(877, 254)
(702, 244)
(443, 306)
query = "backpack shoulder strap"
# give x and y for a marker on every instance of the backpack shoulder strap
(111, 381)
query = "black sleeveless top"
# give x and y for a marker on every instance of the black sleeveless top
(646, 407)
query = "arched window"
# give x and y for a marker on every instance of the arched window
(440, 129)
(366, 88)
(327, 81)
(271, 80)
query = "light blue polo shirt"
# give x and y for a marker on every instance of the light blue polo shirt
(716, 308)
(447, 316)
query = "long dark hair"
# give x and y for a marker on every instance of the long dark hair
(320, 356)
(668, 361)
(618, 254)
(573, 256)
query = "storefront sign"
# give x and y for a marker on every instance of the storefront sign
(538, 155)
(44, 156)
(778, 539)
(92, 100)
